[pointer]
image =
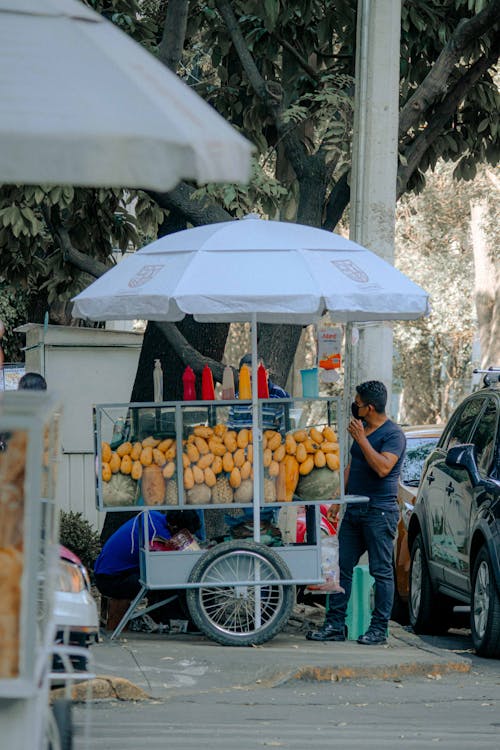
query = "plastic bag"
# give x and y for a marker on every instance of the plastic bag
(329, 567)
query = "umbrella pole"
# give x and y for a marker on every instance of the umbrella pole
(257, 459)
(256, 432)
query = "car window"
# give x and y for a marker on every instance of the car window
(461, 426)
(417, 450)
(484, 436)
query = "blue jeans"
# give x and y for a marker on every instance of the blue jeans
(366, 529)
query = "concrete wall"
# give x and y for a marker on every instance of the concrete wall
(83, 366)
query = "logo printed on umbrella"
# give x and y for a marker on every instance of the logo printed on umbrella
(351, 270)
(144, 275)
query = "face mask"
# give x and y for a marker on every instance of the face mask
(355, 410)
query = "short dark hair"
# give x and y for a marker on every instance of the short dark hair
(247, 360)
(373, 392)
(183, 519)
(32, 381)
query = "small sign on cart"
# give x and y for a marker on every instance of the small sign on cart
(329, 347)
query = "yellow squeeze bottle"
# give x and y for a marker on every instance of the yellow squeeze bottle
(245, 386)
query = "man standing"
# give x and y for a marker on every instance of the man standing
(376, 456)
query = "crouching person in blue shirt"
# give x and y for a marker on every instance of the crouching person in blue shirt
(116, 570)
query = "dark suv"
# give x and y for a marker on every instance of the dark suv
(454, 531)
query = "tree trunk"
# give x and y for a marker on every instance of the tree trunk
(312, 192)
(487, 289)
(172, 42)
(208, 338)
(277, 345)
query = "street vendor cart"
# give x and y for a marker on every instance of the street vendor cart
(239, 593)
(184, 455)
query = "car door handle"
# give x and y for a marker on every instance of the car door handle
(430, 478)
(450, 489)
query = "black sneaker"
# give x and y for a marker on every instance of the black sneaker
(326, 633)
(143, 624)
(373, 638)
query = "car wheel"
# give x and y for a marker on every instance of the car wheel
(429, 612)
(229, 609)
(485, 608)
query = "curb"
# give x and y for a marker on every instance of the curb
(404, 656)
(100, 688)
(394, 672)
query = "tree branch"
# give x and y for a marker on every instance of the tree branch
(246, 59)
(196, 210)
(174, 33)
(80, 260)
(442, 115)
(269, 92)
(298, 57)
(188, 354)
(338, 200)
(434, 84)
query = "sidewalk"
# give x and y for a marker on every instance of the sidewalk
(139, 666)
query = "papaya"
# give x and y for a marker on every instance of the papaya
(291, 476)
(153, 485)
(124, 449)
(105, 452)
(126, 464)
(169, 470)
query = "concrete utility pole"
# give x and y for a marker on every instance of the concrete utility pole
(374, 163)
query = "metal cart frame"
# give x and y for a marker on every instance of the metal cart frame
(242, 566)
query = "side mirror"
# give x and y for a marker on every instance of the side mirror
(464, 457)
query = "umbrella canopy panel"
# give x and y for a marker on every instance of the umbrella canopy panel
(278, 272)
(81, 103)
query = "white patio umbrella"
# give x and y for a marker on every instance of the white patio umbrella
(261, 271)
(278, 272)
(81, 103)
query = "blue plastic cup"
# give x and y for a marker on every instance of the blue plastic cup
(310, 382)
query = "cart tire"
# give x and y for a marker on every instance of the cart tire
(62, 710)
(226, 613)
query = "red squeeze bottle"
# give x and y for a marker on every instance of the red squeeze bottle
(207, 384)
(188, 381)
(262, 384)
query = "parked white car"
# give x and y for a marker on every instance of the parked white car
(75, 610)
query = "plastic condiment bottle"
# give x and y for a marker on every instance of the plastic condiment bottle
(245, 385)
(262, 384)
(157, 382)
(207, 384)
(228, 384)
(188, 382)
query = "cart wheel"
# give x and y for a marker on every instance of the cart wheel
(62, 715)
(243, 614)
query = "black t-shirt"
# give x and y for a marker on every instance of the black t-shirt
(382, 491)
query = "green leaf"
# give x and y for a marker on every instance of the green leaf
(271, 13)
(39, 195)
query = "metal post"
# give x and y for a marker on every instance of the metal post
(374, 159)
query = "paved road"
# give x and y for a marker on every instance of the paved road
(453, 712)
